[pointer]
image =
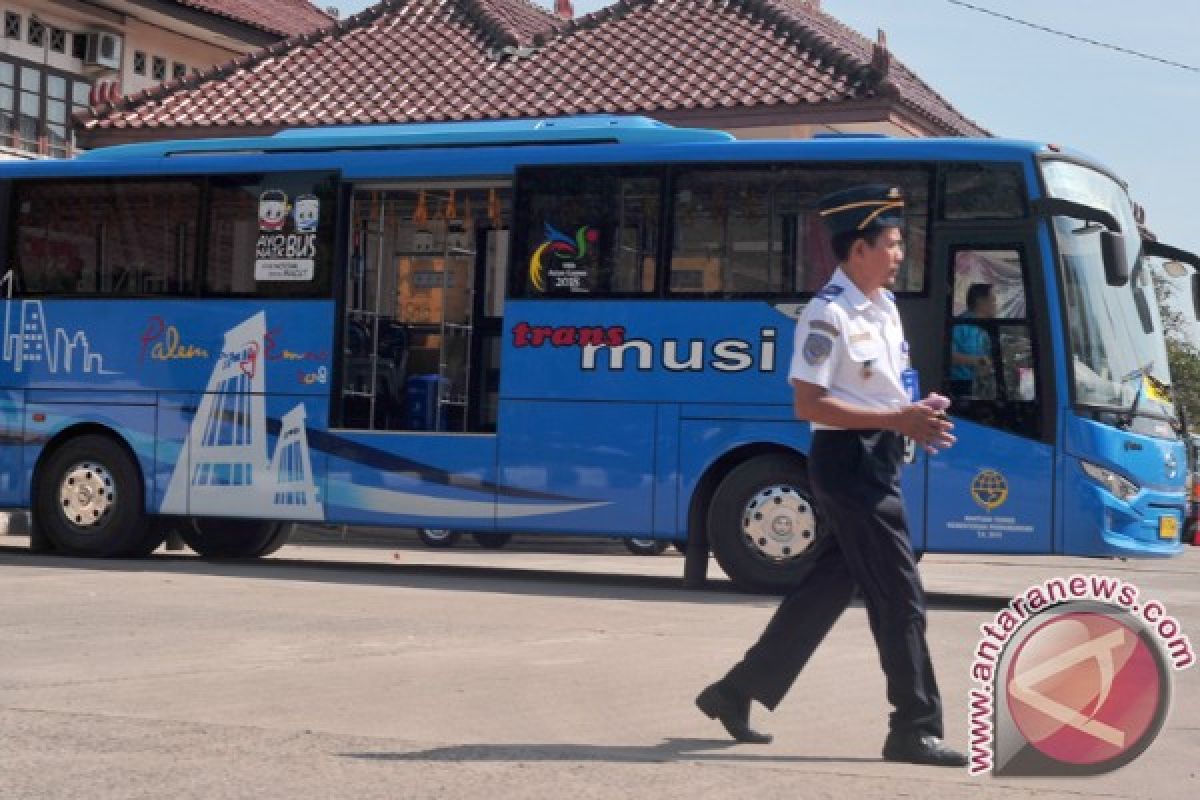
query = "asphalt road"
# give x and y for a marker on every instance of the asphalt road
(361, 668)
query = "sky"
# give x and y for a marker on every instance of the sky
(1136, 116)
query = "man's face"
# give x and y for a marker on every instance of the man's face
(877, 264)
(987, 306)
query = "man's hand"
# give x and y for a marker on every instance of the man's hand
(926, 426)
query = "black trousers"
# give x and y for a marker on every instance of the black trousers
(855, 480)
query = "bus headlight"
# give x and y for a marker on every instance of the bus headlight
(1118, 486)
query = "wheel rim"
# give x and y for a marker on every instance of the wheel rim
(437, 534)
(87, 495)
(779, 524)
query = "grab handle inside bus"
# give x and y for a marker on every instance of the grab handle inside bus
(1112, 243)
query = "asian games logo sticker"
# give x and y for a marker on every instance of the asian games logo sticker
(559, 263)
(1074, 679)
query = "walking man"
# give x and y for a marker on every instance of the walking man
(851, 380)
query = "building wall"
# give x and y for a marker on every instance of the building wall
(44, 79)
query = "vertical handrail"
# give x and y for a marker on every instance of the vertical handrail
(374, 344)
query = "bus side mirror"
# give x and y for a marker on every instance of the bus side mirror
(1196, 294)
(1116, 266)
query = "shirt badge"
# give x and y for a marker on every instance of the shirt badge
(817, 348)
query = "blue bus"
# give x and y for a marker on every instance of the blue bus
(578, 326)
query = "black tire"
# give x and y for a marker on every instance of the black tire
(89, 500)
(761, 551)
(438, 537)
(491, 541)
(157, 529)
(645, 547)
(213, 537)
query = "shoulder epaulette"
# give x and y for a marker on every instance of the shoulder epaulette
(830, 291)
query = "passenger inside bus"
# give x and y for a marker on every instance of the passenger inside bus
(971, 370)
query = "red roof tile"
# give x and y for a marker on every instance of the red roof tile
(282, 17)
(436, 60)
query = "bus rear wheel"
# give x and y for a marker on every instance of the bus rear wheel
(763, 525)
(89, 500)
(234, 538)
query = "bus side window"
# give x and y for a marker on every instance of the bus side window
(991, 373)
(271, 235)
(118, 238)
(753, 231)
(587, 231)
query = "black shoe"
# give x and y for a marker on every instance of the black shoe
(913, 748)
(719, 703)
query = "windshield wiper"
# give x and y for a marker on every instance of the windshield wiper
(1126, 417)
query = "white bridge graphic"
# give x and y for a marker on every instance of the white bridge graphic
(223, 468)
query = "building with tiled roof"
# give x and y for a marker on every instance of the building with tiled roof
(755, 67)
(276, 17)
(58, 58)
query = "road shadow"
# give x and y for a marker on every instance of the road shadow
(666, 751)
(477, 578)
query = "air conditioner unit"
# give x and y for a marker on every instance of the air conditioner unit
(103, 50)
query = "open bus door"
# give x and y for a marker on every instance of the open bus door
(420, 357)
(994, 490)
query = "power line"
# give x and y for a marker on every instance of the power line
(1073, 36)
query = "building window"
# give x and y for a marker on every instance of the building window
(56, 115)
(79, 45)
(178, 70)
(8, 100)
(36, 106)
(139, 62)
(80, 99)
(29, 106)
(12, 25)
(37, 32)
(160, 68)
(58, 40)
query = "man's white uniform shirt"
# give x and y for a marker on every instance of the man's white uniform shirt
(853, 346)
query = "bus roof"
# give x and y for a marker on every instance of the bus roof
(589, 129)
(496, 149)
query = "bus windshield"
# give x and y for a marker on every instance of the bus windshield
(1119, 354)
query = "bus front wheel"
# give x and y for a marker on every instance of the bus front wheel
(234, 538)
(762, 523)
(89, 500)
